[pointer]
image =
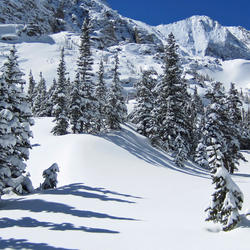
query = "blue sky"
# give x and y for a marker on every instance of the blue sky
(154, 12)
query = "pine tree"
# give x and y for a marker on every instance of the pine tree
(50, 176)
(245, 125)
(170, 112)
(51, 96)
(40, 100)
(227, 199)
(101, 96)
(75, 112)
(60, 105)
(196, 114)
(15, 120)
(116, 110)
(145, 103)
(31, 90)
(233, 131)
(88, 100)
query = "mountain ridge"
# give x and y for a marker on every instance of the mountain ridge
(199, 36)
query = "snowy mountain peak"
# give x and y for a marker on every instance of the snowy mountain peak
(202, 36)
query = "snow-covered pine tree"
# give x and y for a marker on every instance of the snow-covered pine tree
(40, 99)
(85, 71)
(170, 111)
(116, 110)
(31, 90)
(245, 125)
(7, 138)
(51, 98)
(196, 115)
(50, 176)
(145, 102)
(75, 112)
(227, 199)
(60, 111)
(219, 108)
(16, 119)
(233, 132)
(101, 96)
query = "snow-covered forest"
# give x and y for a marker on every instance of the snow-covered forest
(116, 161)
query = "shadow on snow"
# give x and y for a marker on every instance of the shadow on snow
(79, 189)
(38, 206)
(30, 222)
(24, 244)
(141, 148)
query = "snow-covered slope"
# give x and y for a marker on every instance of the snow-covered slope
(115, 192)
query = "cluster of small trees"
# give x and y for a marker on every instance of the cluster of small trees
(182, 125)
(85, 105)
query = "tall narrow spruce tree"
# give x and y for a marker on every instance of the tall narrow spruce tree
(60, 106)
(101, 97)
(142, 114)
(116, 110)
(75, 112)
(85, 71)
(40, 99)
(31, 89)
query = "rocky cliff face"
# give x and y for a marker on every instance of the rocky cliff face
(197, 35)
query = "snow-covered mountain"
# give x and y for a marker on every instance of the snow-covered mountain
(202, 36)
(205, 45)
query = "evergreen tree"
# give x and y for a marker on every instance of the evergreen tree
(233, 132)
(145, 103)
(170, 113)
(227, 199)
(15, 120)
(196, 114)
(116, 110)
(75, 112)
(245, 125)
(219, 117)
(101, 96)
(60, 105)
(51, 96)
(50, 176)
(31, 90)
(40, 100)
(84, 63)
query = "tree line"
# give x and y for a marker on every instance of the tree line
(173, 119)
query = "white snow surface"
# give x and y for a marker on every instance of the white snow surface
(116, 192)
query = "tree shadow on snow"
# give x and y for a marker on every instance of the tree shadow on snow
(30, 222)
(245, 222)
(79, 189)
(246, 151)
(241, 175)
(141, 148)
(38, 206)
(25, 244)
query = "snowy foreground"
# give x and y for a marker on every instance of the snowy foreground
(116, 192)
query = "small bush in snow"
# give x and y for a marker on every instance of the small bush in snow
(50, 176)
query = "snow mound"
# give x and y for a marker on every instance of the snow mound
(115, 192)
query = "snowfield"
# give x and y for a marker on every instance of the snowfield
(116, 192)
